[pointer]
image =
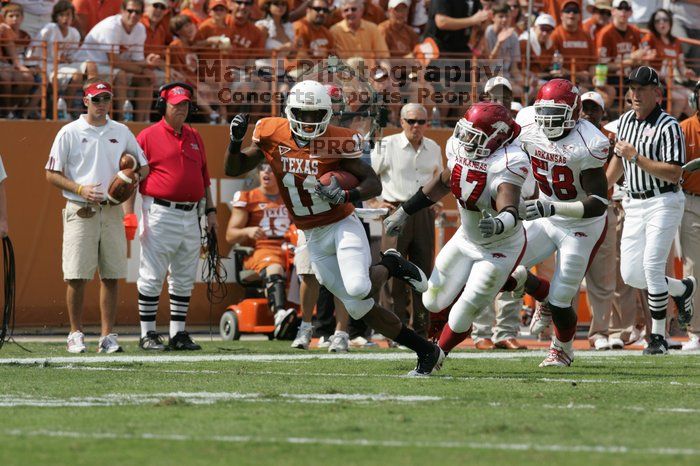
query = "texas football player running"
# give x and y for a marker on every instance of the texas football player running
(300, 149)
(567, 156)
(485, 173)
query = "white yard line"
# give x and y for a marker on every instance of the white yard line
(360, 442)
(384, 356)
(204, 398)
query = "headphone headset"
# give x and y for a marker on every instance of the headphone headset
(693, 99)
(163, 92)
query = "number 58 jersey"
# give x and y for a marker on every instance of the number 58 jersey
(475, 182)
(297, 169)
(557, 165)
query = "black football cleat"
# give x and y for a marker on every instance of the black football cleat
(428, 363)
(405, 270)
(657, 345)
(183, 342)
(685, 301)
(151, 342)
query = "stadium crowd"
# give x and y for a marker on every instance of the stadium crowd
(140, 45)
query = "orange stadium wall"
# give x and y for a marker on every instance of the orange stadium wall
(34, 209)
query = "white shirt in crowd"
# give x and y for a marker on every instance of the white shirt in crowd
(102, 37)
(3, 173)
(36, 7)
(402, 169)
(90, 154)
(51, 33)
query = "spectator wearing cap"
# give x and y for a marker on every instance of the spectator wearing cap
(619, 41)
(574, 44)
(449, 23)
(215, 31)
(404, 162)
(90, 12)
(650, 151)
(398, 35)
(83, 160)
(158, 36)
(600, 17)
(541, 47)
(116, 46)
(170, 237)
(689, 231)
(313, 39)
(502, 44)
(555, 7)
(355, 36)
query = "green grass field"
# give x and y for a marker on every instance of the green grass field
(263, 403)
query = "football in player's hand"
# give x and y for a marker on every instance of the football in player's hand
(122, 186)
(346, 180)
(128, 161)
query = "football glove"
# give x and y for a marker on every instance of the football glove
(539, 208)
(332, 193)
(490, 225)
(239, 126)
(395, 222)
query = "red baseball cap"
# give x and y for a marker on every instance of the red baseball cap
(98, 88)
(177, 94)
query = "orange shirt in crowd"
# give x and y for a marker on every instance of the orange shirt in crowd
(691, 131)
(400, 39)
(96, 10)
(365, 41)
(183, 59)
(247, 40)
(665, 53)
(269, 214)
(312, 42)
(156, 39)
(612, 43)
(592, 29)
(193, 16)
(538, 63)
(574, 45)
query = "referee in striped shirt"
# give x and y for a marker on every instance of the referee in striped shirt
(650, 150)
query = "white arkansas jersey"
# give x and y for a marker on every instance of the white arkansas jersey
(557, 165)
(475, 182)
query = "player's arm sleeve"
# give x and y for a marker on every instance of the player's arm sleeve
(58, 156)
(673, 145)
(598, 149)
(514, 171)
(240, 199)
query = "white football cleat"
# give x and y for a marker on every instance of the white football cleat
(339, 342)
(541, 319)
(108, 344)
(303, 338)
(557, 357)
(76, 342)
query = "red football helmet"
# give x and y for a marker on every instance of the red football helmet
(557, 107)
(485, 128)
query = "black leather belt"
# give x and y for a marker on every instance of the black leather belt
(184, 206)
(654, 192)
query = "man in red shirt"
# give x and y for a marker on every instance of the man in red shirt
(170, 234)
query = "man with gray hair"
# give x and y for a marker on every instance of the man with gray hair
(404, 162)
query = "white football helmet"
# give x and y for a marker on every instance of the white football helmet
(308, 96)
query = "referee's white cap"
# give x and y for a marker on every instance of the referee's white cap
(595, 97)
(644, 75)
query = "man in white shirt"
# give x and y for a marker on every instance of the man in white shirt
(83, 160)
(404, 162)
(116, 45)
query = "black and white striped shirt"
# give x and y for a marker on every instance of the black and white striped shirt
(657, 137)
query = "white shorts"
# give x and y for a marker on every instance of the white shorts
(340, 258)
(575, 246)
(302, 261)
(96, 243)
(484, 270)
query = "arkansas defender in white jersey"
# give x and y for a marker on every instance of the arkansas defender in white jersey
(567, 156)
(485, 174)
(299, 150)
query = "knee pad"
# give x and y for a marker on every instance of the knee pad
(275, 291)
(358, 287)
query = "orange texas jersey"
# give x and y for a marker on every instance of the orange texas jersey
(298, 168)
(269, 214)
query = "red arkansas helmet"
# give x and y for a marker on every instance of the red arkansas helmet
(557, 107)
(485, 128)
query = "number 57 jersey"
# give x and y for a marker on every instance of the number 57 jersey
(297, 169)
(557, 165)
(475, 181)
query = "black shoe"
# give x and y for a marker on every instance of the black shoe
(151, 342)
(684, 303)
(657, 345)
(183, 342)
(286, 324)
(428, 363)
(404, 270)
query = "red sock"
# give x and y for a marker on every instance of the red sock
(450, 339)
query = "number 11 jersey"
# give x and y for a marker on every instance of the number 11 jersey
(297, 169)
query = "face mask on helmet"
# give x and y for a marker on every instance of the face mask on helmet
(471, 139)
(553, 118)
(308, 124)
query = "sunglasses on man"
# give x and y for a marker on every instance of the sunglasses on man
(320, 9)
(134, 12)
(412, 122)
(98, 99)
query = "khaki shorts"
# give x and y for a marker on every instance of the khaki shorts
(96, 243)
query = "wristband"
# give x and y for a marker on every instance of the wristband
(80, 190)
(352, 195)
(508, 219)
(417, 202)
(210, 210)
(569, 209)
